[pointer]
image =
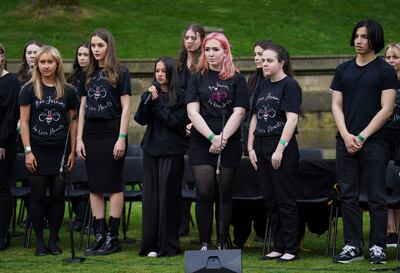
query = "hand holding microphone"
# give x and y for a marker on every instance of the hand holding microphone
(153, 91)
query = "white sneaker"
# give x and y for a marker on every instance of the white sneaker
(152, 254)
(204, 247)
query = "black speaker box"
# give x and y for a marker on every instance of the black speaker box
(221, 261)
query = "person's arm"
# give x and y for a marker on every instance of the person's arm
(144, 112)
(80, 146)
(193, 110)
(233, 122)
(250, 142)
(10, 106)
(173, 118)
(287, 133)
(72, 137)
(30, 160)
(120, 145)
(350, 140)
(388, 103)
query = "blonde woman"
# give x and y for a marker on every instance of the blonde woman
(47, 105)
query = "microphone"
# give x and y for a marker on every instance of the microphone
(157, 86)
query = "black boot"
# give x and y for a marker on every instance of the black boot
(111, 244)
(4, 239)
(100, 228)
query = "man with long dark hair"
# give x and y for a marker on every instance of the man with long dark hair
(363, 98)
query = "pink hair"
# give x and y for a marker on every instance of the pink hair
(228, 68)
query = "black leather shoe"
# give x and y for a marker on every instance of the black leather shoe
(54, 250)
(100, 234)
(110, 245)
(40, 251)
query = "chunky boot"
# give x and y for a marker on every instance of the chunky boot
(100, 228)
(4, 239)
(111, 244)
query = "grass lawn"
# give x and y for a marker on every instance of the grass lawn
(17, 259)
(149, 28)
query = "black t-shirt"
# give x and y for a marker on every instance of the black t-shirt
(361, 88)
(272, 101)
(394, 120)
(102, 99)
(9, 110)
(48, 121)
(217, 97)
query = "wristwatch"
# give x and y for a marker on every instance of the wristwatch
(27, 149)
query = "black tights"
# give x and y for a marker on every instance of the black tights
(207, 191)
(54, 204)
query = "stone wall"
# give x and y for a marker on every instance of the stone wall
(314, 74)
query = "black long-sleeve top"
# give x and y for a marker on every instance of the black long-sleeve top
(165, 132)
(9, 110)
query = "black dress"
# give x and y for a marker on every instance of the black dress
(217, 99)
(101, 129)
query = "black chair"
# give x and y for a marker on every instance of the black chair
(133, 178)
(20, 190)
(247, 195)
(316, 180)
(393, 190)
(134, 150)
(311, 153)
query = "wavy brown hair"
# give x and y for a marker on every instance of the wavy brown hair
(183, 54)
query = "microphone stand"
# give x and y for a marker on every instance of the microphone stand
(218, 173)
(67, 180)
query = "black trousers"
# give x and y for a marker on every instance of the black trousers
(367, 169)
(161, 205)
(6, 176)
(279, 191)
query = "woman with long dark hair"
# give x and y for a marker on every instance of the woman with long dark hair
(164, 146)
(28, 61)
(81, 63)
(105, 91)
(9, 91)
(47, 106)
(187, 64)
(216, 100)
(273, 148)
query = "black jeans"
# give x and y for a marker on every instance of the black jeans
(366, 169)
(279, 191)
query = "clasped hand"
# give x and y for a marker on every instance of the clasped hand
(216, 145)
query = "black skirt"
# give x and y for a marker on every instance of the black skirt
(103, 171)
(48, 159)
(199, 148)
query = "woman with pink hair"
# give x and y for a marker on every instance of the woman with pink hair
(216, 100)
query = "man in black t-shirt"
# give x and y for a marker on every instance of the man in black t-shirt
(363, 98)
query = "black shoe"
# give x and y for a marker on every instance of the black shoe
(111, 244)
(349, 254)
(100, 235)
(53, 249)
(377, 255)
(40, 251)
(391, 240)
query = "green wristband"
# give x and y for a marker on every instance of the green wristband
(283, 142)
(122, 135)
(360, 137)
(211, 137)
